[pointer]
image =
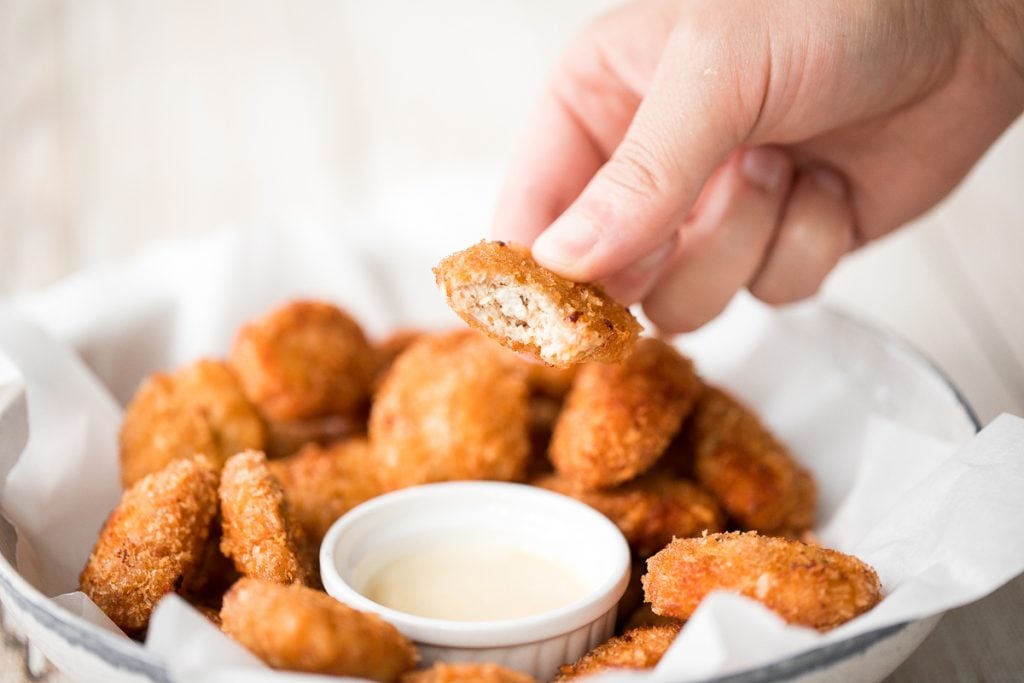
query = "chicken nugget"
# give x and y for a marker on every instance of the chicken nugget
(758, 482)
(198, 409)
(650, 510)
(645, 616)
(300, 629)
(391, 347)
(499, 289)
(321, 483)
(260, 534)
(151, 541)
(442, 672)
(453, 407)
(618, 419)
(286, 438)
(639, 648)
(305, 359)
(804, 584)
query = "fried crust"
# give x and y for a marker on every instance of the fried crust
(618, 419)
(198, 409)
(804, 584)
(300, 629)
(453, 407)
(442, 672)
(305, 359)
(639, 648)
(321, 483)
(500, 290)
(756, 479)
(151, 541)
(260, 534)
(650, 510)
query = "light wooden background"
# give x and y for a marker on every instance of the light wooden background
(125, 122)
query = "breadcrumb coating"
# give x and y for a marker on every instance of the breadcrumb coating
(499, 289)
(305, 359)
(260, 533)
(198, 409)
(453, 407)
(300, 629)
(286, 438)
(391, 347)
(756, 479)
(321, 483)
(619, 418)
(467, 673)
(804, 584)
(650, 510)
(151, 541)
(639, 648)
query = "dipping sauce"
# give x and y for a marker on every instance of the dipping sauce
(473, 580)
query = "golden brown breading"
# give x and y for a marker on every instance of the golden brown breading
(650, 510)
(453, 407)
(322, 483)
(152, 539)
(305, 359)
(499, 289)
(260, 533)
(618, 419)
(640, 648)
(286, 438)
(198, 409)
(391, 347)
(645, 616)
(467, 673)
(804, 584)
(754, 476)
(300, 629)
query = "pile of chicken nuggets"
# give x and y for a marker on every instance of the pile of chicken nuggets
(234, 470)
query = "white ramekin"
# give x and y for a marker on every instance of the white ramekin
(545, 523)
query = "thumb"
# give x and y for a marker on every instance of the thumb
(702, 102)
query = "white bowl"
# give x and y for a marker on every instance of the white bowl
(546, 524)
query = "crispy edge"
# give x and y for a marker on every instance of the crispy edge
(587, 309)
(442, 672)
(639, 648)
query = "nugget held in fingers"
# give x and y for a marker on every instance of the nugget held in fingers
(151, 541)
(442, 672)
(453, 407)
(321, 483)
(260, 533)
(305, 359)
(300, 629)
(198, 409)
(618, 419)
(499, 289)
(754, 476)
(639, 648)
(805, 585)
(650, 510)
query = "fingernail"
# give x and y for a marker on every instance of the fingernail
(569, 239)
(765, 167)
(831, 182)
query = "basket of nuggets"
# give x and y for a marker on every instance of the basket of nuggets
(234, 469)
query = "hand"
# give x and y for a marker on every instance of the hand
(686, 149)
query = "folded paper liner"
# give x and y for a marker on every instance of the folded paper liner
(903, 485)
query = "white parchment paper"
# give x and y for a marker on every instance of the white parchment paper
(903, 485)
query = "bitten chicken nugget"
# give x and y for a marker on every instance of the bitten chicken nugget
(453, 407)
(618, 419)
(467, 673)
(300, 629)
(639, 648)
(152, 539)
(754, 476)
(499, 289)
(198, 409)
(650, 510)
(304, 359)
(321, 483)
(804, 584)
(260, 533)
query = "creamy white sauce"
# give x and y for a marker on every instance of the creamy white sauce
(473, 580)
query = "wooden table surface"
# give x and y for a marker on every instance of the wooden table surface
(121, 123)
